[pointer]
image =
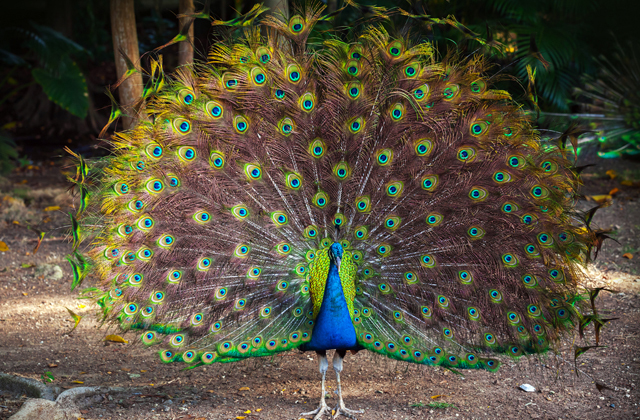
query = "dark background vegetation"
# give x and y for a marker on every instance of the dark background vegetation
(68, 42)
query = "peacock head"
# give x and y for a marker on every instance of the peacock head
(335, 254)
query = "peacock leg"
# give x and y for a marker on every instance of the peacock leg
(340, 408)
(323, 408)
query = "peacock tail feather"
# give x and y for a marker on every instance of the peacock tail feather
(208, 228)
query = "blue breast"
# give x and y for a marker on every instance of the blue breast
(333, 328)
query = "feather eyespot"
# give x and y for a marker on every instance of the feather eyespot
(361, 233)
(394, 189)
(264, 55)
(307, 102)
(317, 148)
(363, 204)
(465, 277)
(293, 180)
(286, 126)
(214, 109)
(321, 199)
(540, 192)
(186, 96)
(279, 218)
(165, 241)
(421, 92)
(356, 125)
(478, 194)
(174, 276)
(253, 171)
(427, 261)
(154, 151)
(310, 232)
(204, 264)
(392, 222)
(293, 73)
(395, 49)
(258, 76)
(354, 89)
(466, 154)
(510, 260)
(478, 128)
(353, 67)
(241, 124)
(434, 219)
(397, 112)
(241, 251)
(182, 126)
(296, 24)
(478, 86)
(450, 92)
(240, 211)
(342, 170)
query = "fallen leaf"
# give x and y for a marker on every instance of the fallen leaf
(602, 198)
(77, 382)
(258, 410)
(76, 318)
(210, 391)
(614, 191)
(244, 388)
(628, 255)
(15, 222)
(240, 418)
(3, 247)
(115, 339)
(626, 183)
(27, 265)
(52, 365)
(126, 369)
(612, 174)
(52, 208)
(433, 397)
(25, 293)
(247, 412)
(143, 371)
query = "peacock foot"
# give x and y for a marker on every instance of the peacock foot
(319, 412)
(341, 409)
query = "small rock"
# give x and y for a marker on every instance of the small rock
(49, 271)
(612, 406)
(527, 388)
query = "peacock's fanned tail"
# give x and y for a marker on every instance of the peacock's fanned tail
(204, 225)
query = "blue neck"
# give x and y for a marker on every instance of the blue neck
(333, 328)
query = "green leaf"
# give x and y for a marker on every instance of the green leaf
(67, 88)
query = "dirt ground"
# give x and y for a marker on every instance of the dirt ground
(34, 339)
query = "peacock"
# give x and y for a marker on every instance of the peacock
(348, 195)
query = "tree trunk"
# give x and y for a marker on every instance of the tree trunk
(278, 7)
(125, 39)
(185, 56)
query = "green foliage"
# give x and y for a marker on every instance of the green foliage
(433, 405)
(47, 377)
(48, 54)
(8, 152)
(557, 26)
(68, 89)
